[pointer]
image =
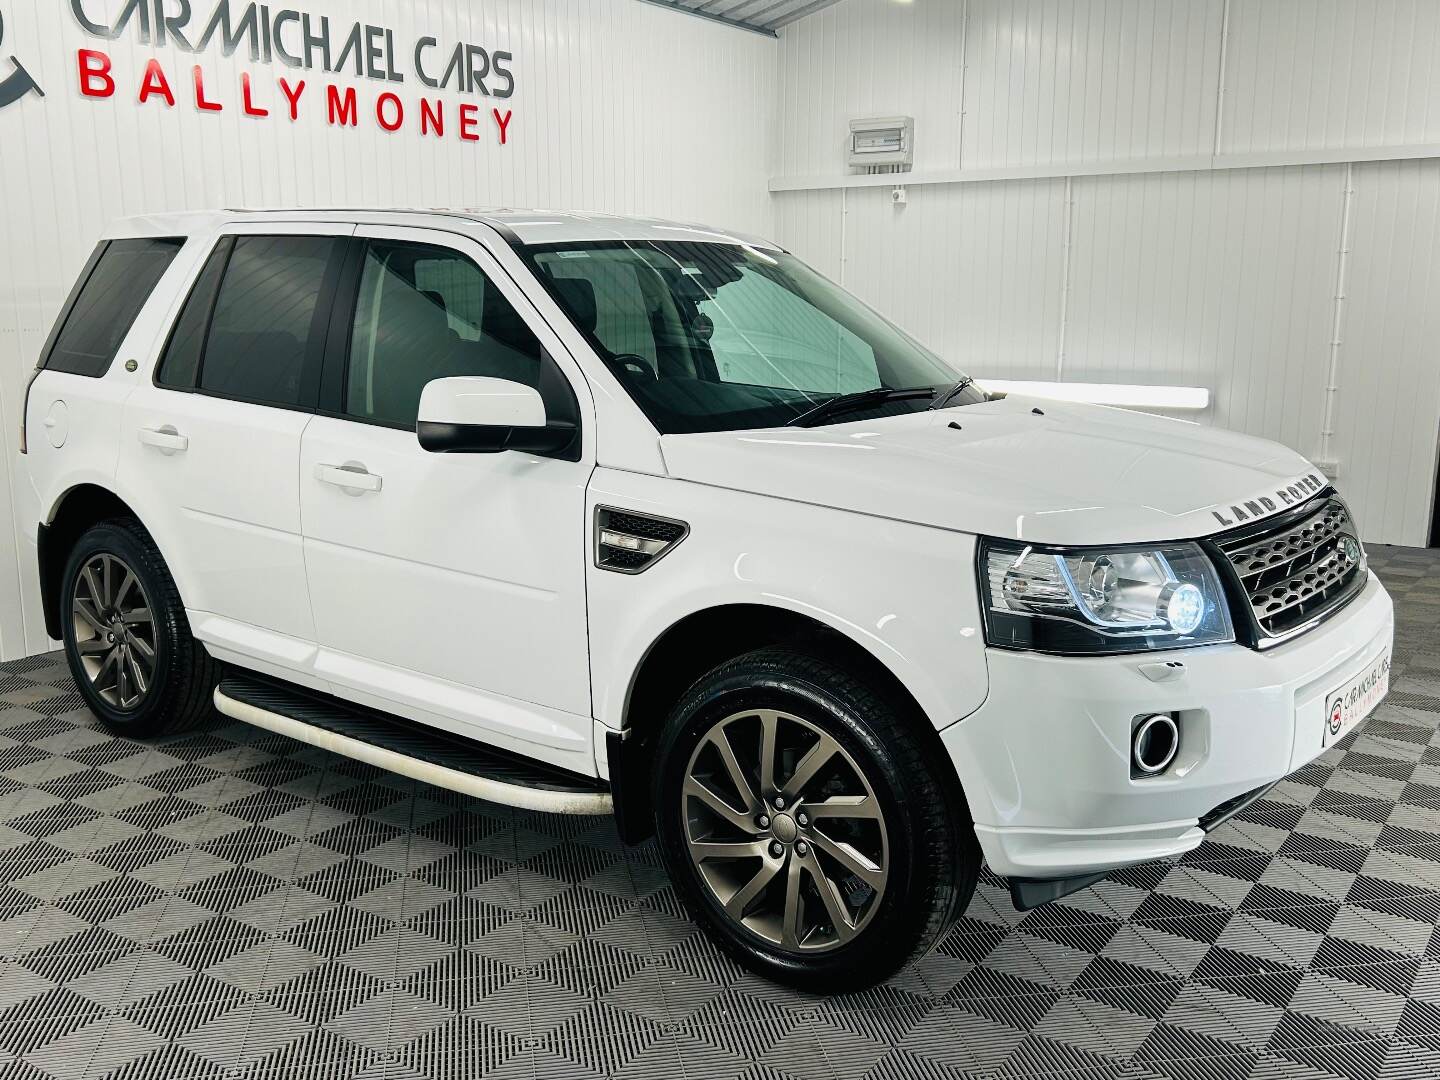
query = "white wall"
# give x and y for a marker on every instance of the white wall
(619, 106)
(1203, 148)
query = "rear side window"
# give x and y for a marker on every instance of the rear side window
(120, 280)
(253, 328)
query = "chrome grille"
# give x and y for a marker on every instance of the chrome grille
(1297, 572)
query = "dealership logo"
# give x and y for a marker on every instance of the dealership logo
(18, 83)
(1337, 716)
(301, 49)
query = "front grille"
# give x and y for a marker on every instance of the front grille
(1298, 569)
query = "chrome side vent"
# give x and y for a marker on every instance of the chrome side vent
(627, 542)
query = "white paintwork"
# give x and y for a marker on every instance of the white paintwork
(685, 133)
(852, 572)
(460, 590)
(481, 401)
(1198, 239)
(1128, 395)
(479, 787)
(1063, 802)
(1067, 474)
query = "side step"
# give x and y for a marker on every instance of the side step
(410, 749)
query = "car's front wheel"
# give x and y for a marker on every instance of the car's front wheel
(805, 825)
(126, 636)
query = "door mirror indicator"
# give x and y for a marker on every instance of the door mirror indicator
(479, 415)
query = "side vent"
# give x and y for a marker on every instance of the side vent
(627, 542)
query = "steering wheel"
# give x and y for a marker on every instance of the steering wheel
(636, 365)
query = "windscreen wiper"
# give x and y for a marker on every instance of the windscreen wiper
(861, 399)
(950, 395)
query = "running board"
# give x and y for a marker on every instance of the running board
(410, 749)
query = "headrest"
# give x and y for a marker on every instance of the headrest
(578, 297)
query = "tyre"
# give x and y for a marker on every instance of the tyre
(126, 637)
(805, 823)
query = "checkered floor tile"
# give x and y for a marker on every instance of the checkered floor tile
(232, 904)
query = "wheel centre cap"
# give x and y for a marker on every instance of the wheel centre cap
(783, 826)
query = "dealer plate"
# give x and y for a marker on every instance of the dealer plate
(1352, 702)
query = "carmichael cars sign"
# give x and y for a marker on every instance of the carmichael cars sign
(451, 75)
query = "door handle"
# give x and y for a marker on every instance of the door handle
(165, 439)
(354, 479)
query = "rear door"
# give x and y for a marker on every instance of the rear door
(210, 446)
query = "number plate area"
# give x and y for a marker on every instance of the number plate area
(1351, 702)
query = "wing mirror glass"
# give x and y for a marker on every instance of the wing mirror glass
(477, 415)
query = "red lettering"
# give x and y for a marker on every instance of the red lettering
(156, 83)
(292, 95)
(432, 117)
(342, 111)
(389, 99)
(249, 106)
(95, 80)
(502, 122)
(200, 101)
(468, 114)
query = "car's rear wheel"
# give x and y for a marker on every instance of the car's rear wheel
(126, 637)
(805, 826)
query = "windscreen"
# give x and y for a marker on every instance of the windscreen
(718, 337)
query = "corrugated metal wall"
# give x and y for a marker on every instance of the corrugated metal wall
(619, 106)
(1170, 264)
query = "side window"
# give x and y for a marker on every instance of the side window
(180, 365)
(427, 313)
(120, 281)
(268, 326)
(764, 333)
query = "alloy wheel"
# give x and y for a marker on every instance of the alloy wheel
(114, 631)
(785, 830)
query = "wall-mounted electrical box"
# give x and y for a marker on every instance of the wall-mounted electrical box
(887, 141)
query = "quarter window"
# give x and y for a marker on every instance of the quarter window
(104, 310)
(180, 366)
(427, 313)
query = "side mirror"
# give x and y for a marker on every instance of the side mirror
(474, 415)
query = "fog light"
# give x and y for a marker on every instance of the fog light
(1155, 744)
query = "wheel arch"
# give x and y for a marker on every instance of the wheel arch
(701, 641)
(72, 514)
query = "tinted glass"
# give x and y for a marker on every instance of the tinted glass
(427, 313)
(180, 365)
(717, 337)
(268, 320)
(108, 304)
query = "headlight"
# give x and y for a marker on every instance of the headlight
(1101, 600)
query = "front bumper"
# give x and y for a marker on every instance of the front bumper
(1045, 761)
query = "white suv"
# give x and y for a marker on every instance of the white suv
(581, 513)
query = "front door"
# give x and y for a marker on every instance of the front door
(448, 587)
